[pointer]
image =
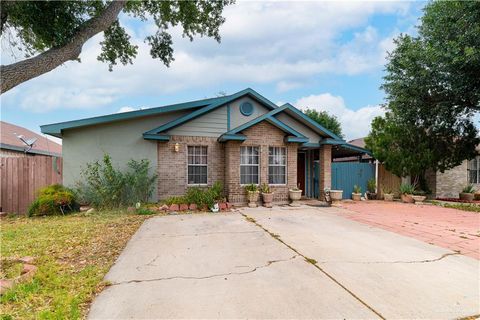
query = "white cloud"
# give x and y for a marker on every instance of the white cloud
(285, 44)
(126, 109)
(355, 123)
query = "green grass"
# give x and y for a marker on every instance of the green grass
(73, 253)
(459, 206)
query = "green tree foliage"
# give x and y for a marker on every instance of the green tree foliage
(432, 87)
(326, 120)
(58, 30)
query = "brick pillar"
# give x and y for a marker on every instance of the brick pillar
(325, 172)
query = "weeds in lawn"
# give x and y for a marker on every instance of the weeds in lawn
(72, 252)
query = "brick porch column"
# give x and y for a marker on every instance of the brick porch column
(325, 172)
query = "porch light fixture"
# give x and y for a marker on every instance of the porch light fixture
(177, 147)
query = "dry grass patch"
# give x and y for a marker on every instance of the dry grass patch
(73, 253)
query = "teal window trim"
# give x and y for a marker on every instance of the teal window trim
(246, 108)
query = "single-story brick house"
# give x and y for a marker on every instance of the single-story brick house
(236, 139)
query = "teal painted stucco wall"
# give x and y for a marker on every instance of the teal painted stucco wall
(121, 140)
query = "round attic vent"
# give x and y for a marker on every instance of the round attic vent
(246, 108)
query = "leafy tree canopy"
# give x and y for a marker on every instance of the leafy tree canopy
(57, 30)
(432, 87)
(326, 120)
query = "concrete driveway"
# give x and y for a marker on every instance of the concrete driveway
(284, 263)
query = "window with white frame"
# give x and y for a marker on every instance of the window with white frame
(473, 170)
(249, 165)
(197, 165)
(277, 165)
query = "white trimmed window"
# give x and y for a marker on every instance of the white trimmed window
(277, 165)
(197, 165)
(249, 165)
(474, 170)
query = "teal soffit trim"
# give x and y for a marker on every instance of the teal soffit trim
(232, 137)
(158, 137)
(296, 139)
(55, 129)
(313, 123)
(222, 101)
(332, 141)
(355, 148)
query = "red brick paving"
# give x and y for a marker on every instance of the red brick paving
(444, 227)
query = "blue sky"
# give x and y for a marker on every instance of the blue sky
(324, 55)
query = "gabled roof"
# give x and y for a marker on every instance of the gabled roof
(151, 134)
(234, 133)
(9, 140)
(289, 109)
(55, 129)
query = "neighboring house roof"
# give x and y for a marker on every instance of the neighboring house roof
(10, 141)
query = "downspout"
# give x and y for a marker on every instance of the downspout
(376, 177)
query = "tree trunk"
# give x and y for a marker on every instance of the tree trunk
(16, 73)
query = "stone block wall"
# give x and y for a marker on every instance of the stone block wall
(450, 183)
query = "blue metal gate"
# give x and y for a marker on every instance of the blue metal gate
(347, 174)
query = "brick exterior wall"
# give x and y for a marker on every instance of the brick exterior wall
(224, 163)
(325, 179)
(172, 166)
(263, 135)
(450, 183)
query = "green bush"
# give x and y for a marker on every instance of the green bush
(204, 198)
(104, 186)
(53, 200)
(371, 185)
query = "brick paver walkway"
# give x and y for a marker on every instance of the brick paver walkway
(448, 228)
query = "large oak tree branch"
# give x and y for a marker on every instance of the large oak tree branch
(16, 73)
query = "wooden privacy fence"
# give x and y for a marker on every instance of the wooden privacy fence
(387, 180)
(22, 177)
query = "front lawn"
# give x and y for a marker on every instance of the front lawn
(73, 253)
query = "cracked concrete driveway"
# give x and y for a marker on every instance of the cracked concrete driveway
(253, 264)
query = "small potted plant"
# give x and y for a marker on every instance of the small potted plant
(295, 194)
(357, 193)
(406, 192)
(267, 195)
(467, 193)
(419, 196)
(387, 194)
(371, 192)
(252, 195)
